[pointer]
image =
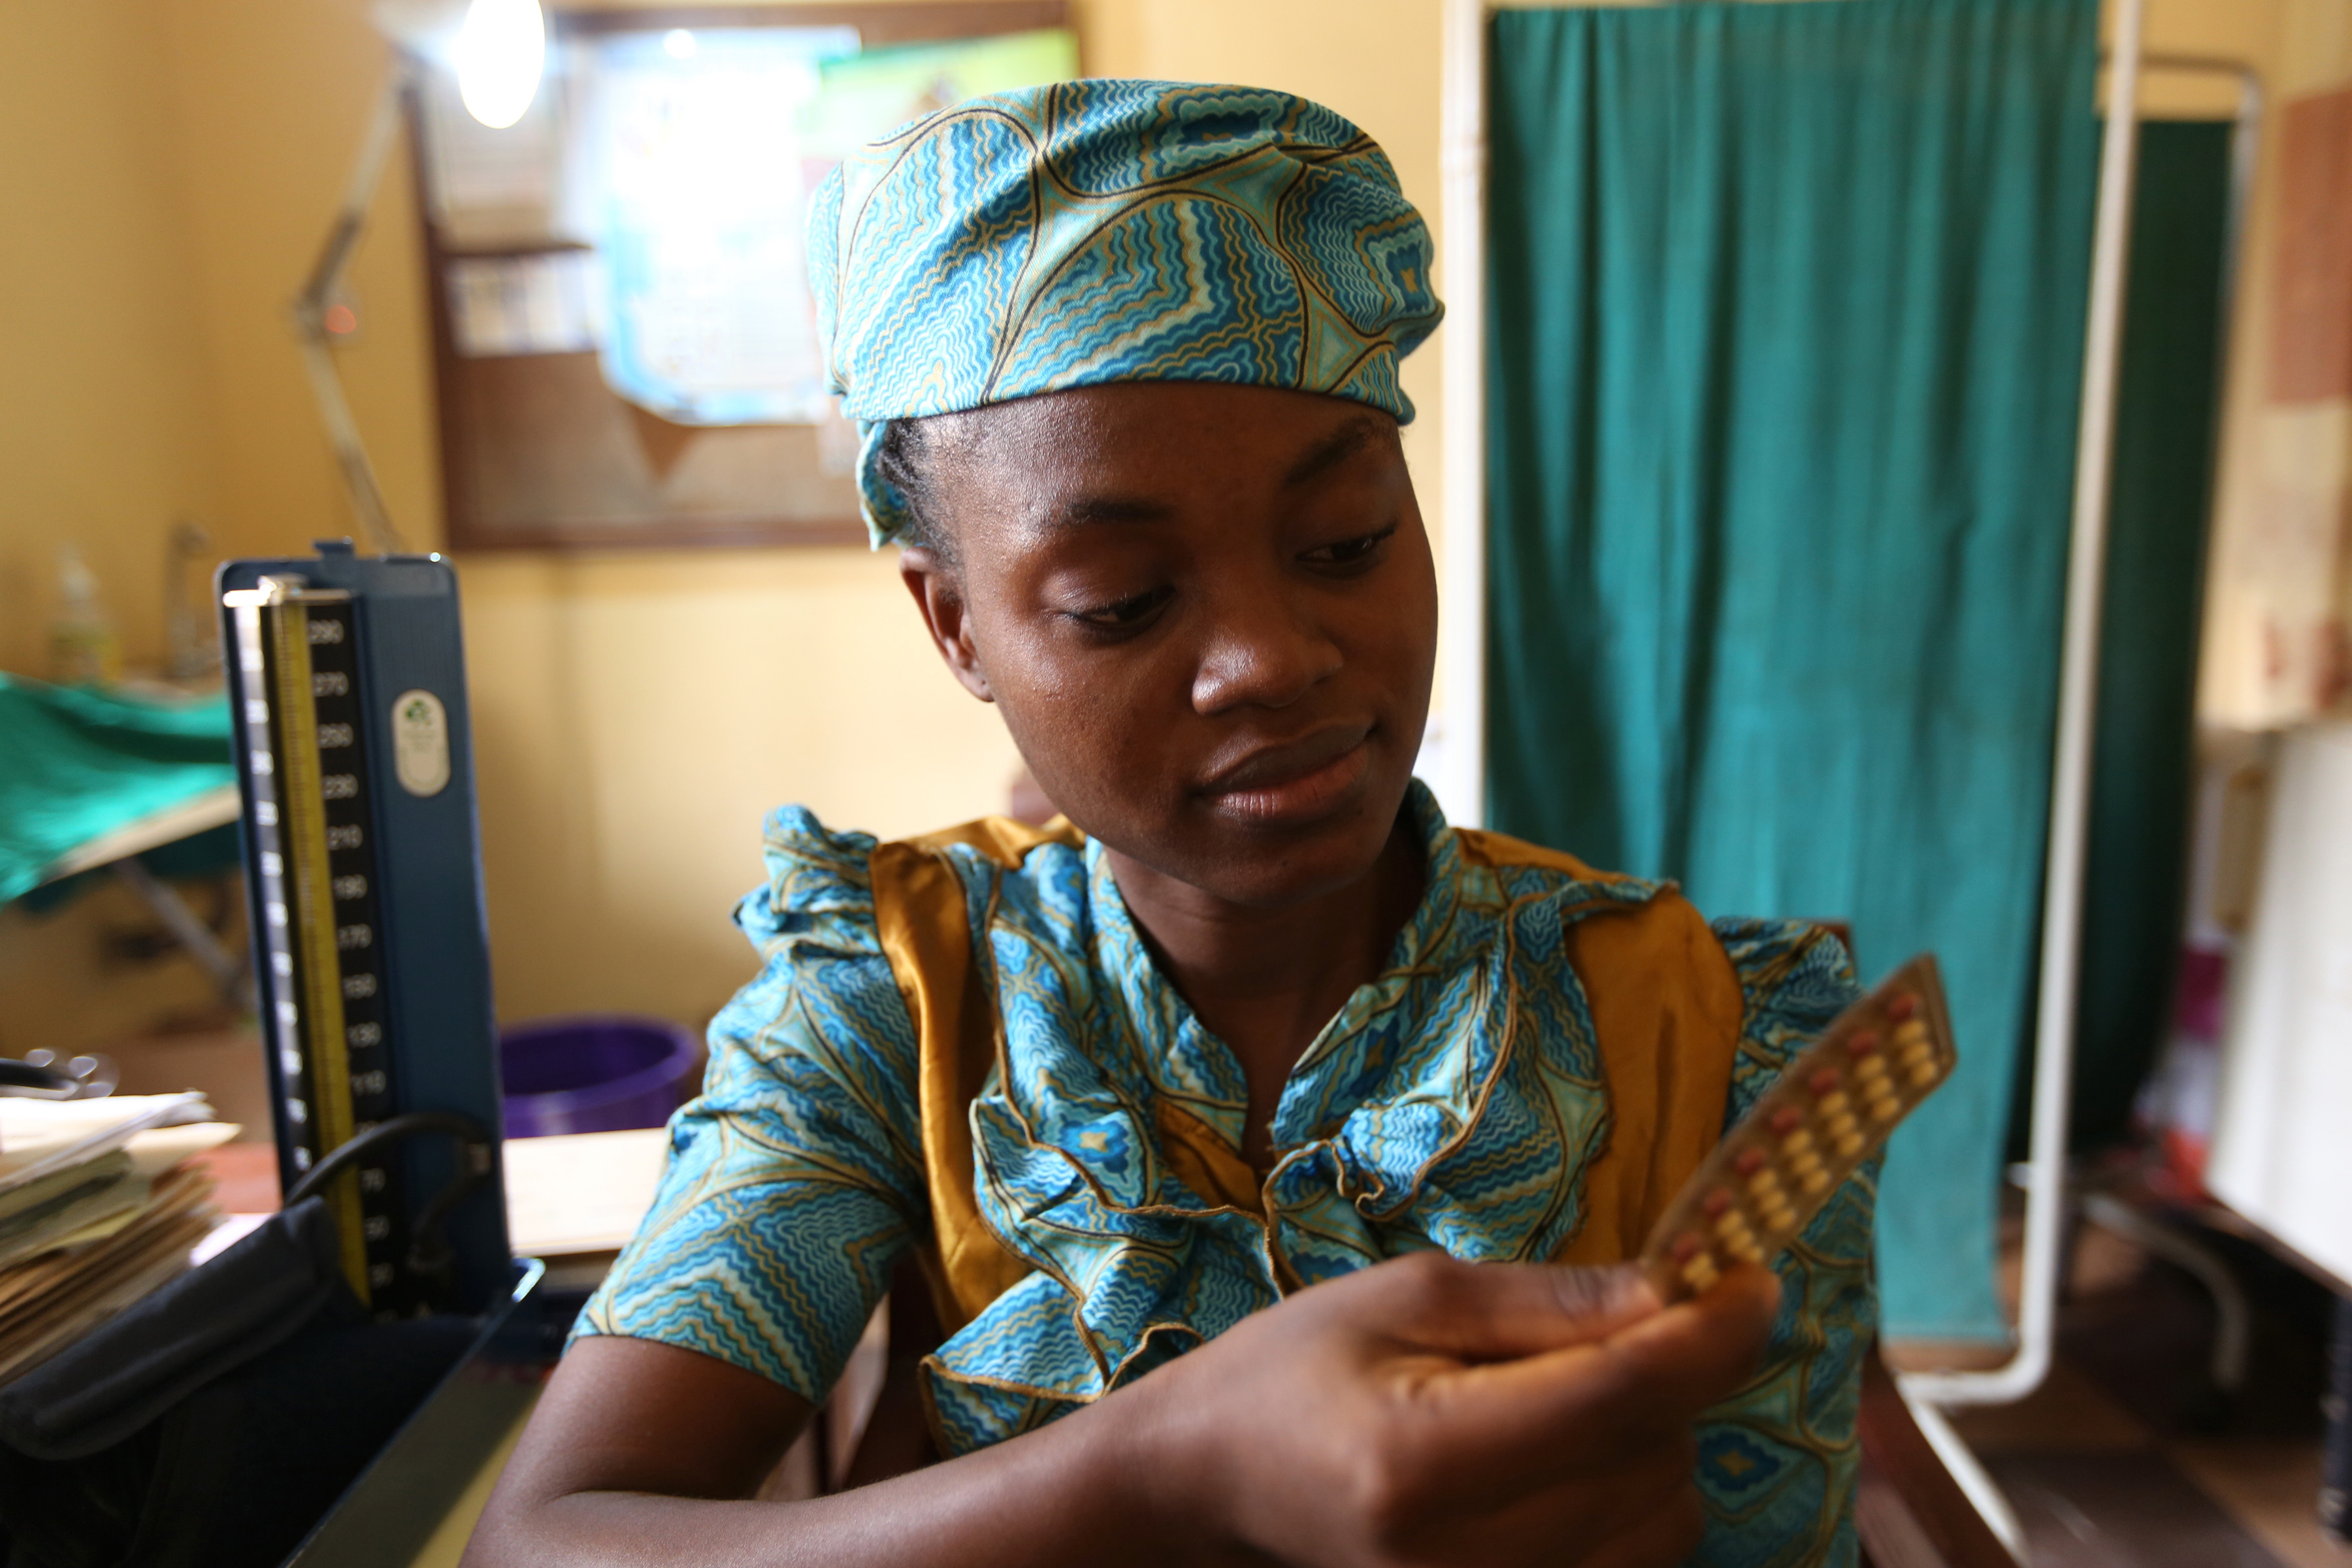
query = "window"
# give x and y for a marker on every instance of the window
(625, 341)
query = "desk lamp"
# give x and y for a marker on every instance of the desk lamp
(499, 52)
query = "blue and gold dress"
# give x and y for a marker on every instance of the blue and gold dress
(961, 1047)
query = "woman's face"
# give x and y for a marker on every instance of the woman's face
(1207, 613)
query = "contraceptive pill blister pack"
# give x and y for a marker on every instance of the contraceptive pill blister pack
(1828, 1112)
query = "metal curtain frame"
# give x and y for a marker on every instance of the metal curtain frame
(1459, 771)
(1459, 775)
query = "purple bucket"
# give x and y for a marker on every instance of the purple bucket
(597, 1073)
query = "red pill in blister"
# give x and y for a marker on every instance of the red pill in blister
(1788, 1119)
(1716, 1202)
(1863, 1042)
(1750, 1162)
(1685, 1244)
(1903, 1007)
(1825, 1082)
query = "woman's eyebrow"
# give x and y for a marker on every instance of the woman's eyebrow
(1112, 509)
(1331, 450)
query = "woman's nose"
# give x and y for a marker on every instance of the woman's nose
(1262, 650)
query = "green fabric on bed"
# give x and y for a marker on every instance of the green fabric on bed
(76, 762)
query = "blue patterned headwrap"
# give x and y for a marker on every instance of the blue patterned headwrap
(1102, 231)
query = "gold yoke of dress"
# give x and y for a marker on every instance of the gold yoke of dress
(1665, 1004)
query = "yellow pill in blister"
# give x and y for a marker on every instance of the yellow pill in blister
(1797, 1145)
(1763, 1183)
(1914, 1033)
(1810, 1160)
(1782, 1218)
(1815, 1181)
(1870, 1070)
(1700, 1272)
(1848, 1143)
(1924, 1074)
(1830, 1104)
(1885, 1110)
(1745, 1250)
(1839, 1125)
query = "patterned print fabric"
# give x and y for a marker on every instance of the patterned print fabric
(1103, 231)
(796, 1182)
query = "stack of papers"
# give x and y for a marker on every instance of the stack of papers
(97, 1207)
(576, 1193)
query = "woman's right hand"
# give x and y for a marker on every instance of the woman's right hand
(1428, 1411)
(1423, 1411)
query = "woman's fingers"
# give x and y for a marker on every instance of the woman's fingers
(1705, 1348)
(1431, 1411)
(1588, 1405)
(1500, 1312)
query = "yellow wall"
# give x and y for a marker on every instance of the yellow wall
(636, 718)
(634, 713)
(269, 99)
(106, 429)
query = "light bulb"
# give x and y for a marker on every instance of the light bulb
(500, 50)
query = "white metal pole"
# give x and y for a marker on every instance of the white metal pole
(1460, 778)
(2070, 791)
(1967, 1473)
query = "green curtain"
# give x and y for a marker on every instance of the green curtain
(1785, 338)
(2166, 414)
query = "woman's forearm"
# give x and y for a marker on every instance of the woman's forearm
(1094, 1487)
(1424, 1411)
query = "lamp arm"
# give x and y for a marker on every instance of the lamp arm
(317, 293)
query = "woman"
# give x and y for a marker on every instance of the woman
(1266, 1139)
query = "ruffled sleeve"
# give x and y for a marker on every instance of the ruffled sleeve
(1777, 1462)
(795, 1182)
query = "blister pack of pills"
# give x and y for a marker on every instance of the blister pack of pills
(1828, 1112)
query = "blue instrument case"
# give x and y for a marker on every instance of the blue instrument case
(364, 866)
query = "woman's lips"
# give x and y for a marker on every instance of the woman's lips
(1294, 783)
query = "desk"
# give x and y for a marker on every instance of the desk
(570, 1195)
(417, 1503)
(573, 1199)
